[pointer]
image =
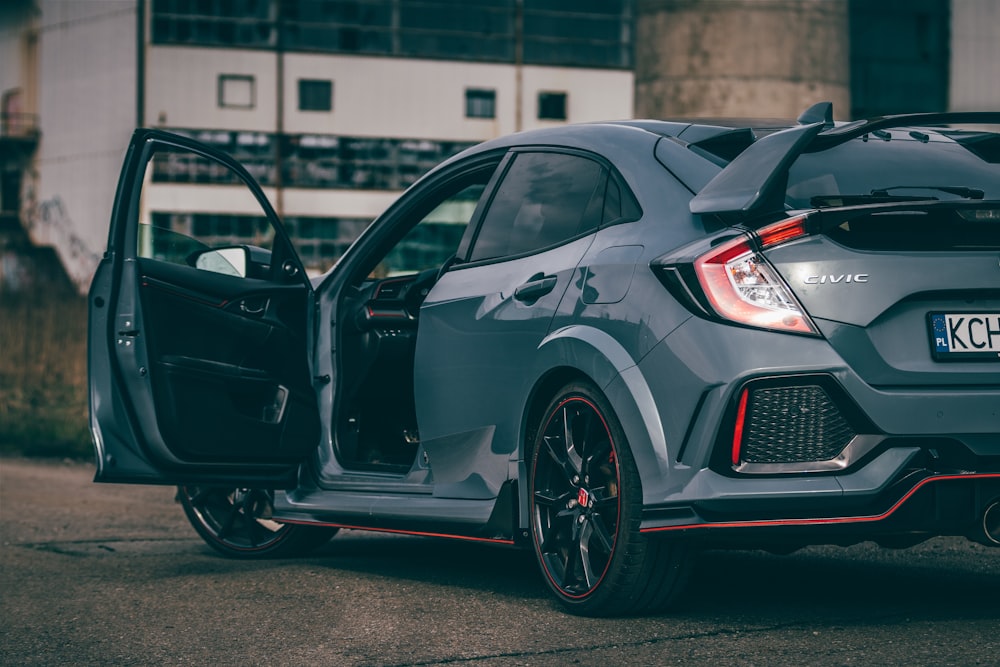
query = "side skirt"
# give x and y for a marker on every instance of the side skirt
(489, 520)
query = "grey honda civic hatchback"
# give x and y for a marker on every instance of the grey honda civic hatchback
(614, 344)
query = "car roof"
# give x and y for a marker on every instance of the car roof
(751, 156)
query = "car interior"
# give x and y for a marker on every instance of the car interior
(376, 424)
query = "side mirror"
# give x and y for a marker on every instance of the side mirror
(230, 261)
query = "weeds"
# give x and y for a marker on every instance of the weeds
(43, 375)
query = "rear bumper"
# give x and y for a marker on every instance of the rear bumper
(930, 463)
(911, 503)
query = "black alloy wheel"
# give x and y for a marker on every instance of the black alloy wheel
(237, 523)
(586, 505)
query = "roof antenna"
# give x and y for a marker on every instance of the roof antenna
(821, 112)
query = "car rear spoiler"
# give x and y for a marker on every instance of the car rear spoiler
(754, 183)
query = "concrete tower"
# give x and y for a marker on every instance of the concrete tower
(740, 58)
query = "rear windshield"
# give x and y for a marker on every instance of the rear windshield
(898, 164)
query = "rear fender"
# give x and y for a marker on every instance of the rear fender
(595, 354)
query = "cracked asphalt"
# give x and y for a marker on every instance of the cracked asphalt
(113, 575)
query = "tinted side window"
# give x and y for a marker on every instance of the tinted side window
(544, 199)
(612, 202)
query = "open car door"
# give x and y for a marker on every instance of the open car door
(200, 327)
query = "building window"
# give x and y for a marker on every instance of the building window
(311, 160)
(551, 106)
(315, 95)
(339, 26)
(456, 29)
(237, 91)
(240, 23)
(480, 103)
(578, 34)
(588, 33)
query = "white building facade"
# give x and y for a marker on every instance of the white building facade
(335, 106)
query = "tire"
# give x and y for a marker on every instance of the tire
(586, 508)
(236, 523)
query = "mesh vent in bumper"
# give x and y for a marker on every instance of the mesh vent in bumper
(793, 424)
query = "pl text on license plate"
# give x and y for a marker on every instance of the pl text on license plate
(965, 336)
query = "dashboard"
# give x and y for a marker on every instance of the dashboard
(394, 303)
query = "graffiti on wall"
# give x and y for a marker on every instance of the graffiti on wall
(49, 223)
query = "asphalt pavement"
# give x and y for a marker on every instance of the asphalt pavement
(96, 574)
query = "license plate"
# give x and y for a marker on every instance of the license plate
(965, 336)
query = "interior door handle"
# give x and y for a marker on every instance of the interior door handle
(254, 307)
(537, 286)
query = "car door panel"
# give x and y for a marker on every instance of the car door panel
(474, 347)
(223, 381)
(482, 323)
(197, 375)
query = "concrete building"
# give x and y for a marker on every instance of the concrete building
(729, 58)
(336, 105)
(974, 65)
(69, 72)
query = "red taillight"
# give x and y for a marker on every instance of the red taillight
(783, 231)
(741, 414)
(743, 287)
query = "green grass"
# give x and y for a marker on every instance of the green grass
(43, 375)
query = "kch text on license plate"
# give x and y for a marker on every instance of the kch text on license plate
(965, 336)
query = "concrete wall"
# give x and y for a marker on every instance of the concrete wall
(182, 88)
(372, 96)
(975, 55)
(87, 110)
(741, 58)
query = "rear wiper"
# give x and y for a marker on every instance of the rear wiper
(881, 197)
(958, 191)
